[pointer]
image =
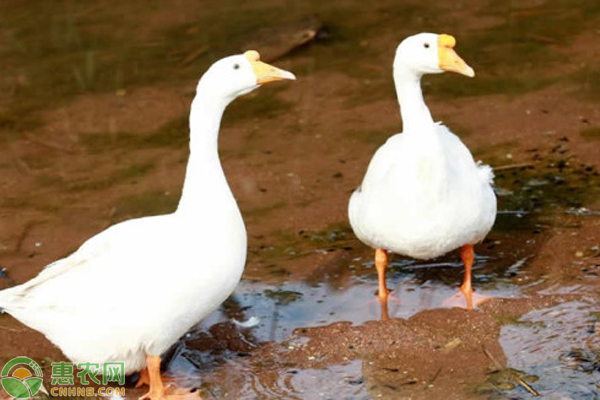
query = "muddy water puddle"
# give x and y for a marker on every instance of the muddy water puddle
(553, 346)
(556, 344)
(342, 381)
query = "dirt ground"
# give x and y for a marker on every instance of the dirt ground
(93, 131)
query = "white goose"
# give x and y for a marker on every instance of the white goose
(423, 194)
(179, 266)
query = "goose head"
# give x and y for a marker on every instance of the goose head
(429, 53)
(240, 74)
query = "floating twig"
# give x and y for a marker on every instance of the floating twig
(193, 56)
(49, 145)
(276, 42)
(451, 345)
(6, 328)
(434, 377)
(499, 366)
(512, 166)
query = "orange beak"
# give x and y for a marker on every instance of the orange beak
(449, 60)
(264, 72)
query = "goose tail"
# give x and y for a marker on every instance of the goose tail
(485, 173)
(3, 301)
(6, 298)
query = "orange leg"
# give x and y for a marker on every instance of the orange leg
(144, 379)
(157, 390)
(471, 298)
(468, 255)
(381, 262)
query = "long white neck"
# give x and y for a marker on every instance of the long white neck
(205, 182)
(413, 109)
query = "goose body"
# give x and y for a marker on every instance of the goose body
(423, 194)
(165, 265)
(174, 268)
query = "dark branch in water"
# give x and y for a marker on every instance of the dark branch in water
(512, 166)
(499, 366)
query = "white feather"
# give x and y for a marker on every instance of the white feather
(135, 288)
(423, 194)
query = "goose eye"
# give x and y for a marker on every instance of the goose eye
(236, 66)
(426, 45)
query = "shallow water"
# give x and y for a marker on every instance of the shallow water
(415, 286)
(552, 343)
(343, 381)
(540, 343)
